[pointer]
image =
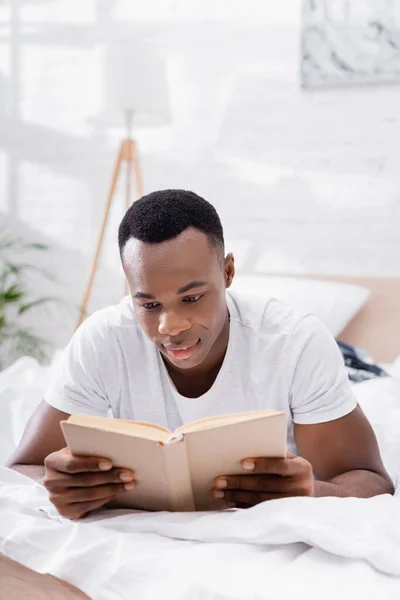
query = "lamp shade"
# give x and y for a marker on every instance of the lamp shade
(134, 79)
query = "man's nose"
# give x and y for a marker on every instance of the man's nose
(173, 324)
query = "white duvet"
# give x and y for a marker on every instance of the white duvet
(292, 548)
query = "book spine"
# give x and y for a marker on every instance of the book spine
(178, 475)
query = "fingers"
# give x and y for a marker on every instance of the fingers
(267, 479)
(285, 467)
(266, 483)
(54, 480)
(65, 462)
(243, 498)
(79, 484)
(89, 494)
(74, 501)
(81, 509)
(238, 505)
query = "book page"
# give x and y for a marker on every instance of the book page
(147, 431)
(219, 450)
(144, 456)
(222, 421)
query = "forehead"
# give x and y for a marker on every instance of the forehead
(175, 262)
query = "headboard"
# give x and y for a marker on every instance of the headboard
(377, 325)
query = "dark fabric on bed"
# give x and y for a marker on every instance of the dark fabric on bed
(359, 364)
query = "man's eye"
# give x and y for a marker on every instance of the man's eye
(191, 299)
(150, 305)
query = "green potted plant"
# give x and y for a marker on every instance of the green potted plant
(17, 301)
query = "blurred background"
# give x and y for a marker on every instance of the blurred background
(284, 115)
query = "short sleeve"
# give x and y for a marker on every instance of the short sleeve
(78, 385)
(320, 390)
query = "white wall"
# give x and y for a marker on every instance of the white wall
(304, 181)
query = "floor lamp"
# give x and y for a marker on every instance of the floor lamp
(134, 76)
(127, 156)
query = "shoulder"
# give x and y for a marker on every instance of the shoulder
(268, 316)
(107, 324)
(115, 316)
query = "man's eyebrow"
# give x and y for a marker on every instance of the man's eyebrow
(190, 286)
(143, 295)
(182, 290)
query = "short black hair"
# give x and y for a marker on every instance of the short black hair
(163, 215)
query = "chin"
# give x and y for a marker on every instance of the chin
(186, 364)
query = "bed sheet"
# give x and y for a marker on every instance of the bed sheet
(294, 547)
(301, 547)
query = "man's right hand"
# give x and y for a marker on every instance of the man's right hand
(80, 484)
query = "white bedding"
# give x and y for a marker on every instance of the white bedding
(303, 548)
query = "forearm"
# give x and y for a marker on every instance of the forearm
(358, 484)
(35, 472)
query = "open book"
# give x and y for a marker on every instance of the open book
(175, 471)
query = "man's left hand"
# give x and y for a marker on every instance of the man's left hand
(266, 479)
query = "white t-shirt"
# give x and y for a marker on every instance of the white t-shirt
(277, 357)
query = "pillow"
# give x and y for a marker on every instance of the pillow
(22, 386)
(334, 303)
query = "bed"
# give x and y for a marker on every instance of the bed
(376, 326)
(299, 547)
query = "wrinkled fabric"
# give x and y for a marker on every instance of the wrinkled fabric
(359, 365)
(299, 547)
(124, 554)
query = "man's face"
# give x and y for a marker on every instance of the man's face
(178, 291)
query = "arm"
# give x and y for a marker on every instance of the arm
(350, 464)
(76, 484)
(338, 458)
(42, 436)
(338, 448)
(76, 387)
(330, 429)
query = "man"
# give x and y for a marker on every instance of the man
(182, 348)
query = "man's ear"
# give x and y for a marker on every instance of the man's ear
(229, 269)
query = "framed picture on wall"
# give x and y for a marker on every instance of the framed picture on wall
(347, 42)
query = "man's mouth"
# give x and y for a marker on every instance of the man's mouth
(182, 351)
